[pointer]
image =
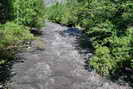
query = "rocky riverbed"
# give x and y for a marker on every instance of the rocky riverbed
(57, 62)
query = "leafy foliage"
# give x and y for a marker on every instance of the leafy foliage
(102, 60)
(28, 12)
(106, 27)
(62, 13)
(17, 17)
(109, 25)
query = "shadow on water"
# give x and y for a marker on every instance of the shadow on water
(75, 32)
(82, 43)
(84, 46)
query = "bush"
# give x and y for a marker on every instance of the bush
(28, 12)
(108, 24)
(103, 62)
(63, 13)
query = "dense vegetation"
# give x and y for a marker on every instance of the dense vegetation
(108, 24)
(28, 12)
(17, 17)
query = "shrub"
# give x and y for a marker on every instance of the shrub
(28, 12)
(63, 13)
(55, 12)
(102, 61)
